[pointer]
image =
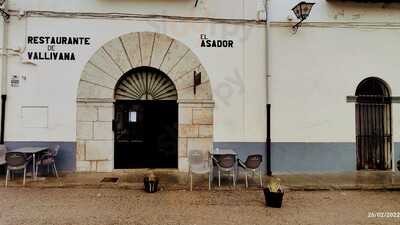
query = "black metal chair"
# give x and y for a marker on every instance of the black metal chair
(49, 159)
(225, 163)
(16, 161)
(253, 165)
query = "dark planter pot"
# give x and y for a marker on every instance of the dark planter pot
(150, 186)
(273, 199)
(398, 165)
(3, 169)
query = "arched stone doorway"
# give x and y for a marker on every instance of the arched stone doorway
(96, 96)
(146, 120)
(373, 125)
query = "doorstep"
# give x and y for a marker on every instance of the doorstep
(175, 180)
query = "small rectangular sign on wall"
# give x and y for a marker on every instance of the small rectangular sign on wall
(132, 116)
(34, 116)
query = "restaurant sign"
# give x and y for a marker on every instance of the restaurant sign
(52, 43)
(215, 43)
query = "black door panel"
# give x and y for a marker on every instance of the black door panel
(146, 134)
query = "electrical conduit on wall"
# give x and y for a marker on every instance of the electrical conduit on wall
(4, 73)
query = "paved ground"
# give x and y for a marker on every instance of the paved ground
(173, 180)
(70, 206)
(357, 180)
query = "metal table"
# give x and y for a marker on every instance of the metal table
(33, 151)
(225, 152)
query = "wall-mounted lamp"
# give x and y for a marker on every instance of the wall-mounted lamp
(302, 11)
(3, 11)
(196, 80)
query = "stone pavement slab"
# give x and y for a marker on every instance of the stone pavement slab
(174, 180)
(358, 180)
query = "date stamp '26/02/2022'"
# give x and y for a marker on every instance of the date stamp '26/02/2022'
(383, 214)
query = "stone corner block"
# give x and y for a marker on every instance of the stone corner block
(204, 144)
(103, 131)
(105, 166)
(83, 166)
(84, 130)
(182, 147)
(186, 130)
(203, 116)
(106, 114)
(86, 113)
(80, 150)
(183, 164)
(185, 115)
(99, 150)
(206, 131)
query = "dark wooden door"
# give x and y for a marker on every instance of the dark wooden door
(374, 133)
(146, 134)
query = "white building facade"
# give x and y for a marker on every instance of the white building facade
(70, 64)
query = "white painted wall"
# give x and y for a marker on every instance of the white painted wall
(338, 11)
(2, 52)
(237, 9)
(312, 71)
(239, 103)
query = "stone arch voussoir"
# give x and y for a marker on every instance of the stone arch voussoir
(96, 95)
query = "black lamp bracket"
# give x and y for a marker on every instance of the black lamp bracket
(297, 25)
(196, 80)
(5, 15)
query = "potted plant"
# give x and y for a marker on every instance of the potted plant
(151, 183)
(273, 193)
(398, 165)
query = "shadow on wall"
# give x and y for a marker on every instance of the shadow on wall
(313, 157)
(299, 157)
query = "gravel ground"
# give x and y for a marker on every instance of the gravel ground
(20, 206)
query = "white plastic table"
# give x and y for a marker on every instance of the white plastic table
(33, 151)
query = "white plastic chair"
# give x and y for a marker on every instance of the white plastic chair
(199, 163)
(3, 163)
(3, 150)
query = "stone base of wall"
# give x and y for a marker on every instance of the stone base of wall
(95, 137)
(195, 129)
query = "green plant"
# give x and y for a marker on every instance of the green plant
(274, 185)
